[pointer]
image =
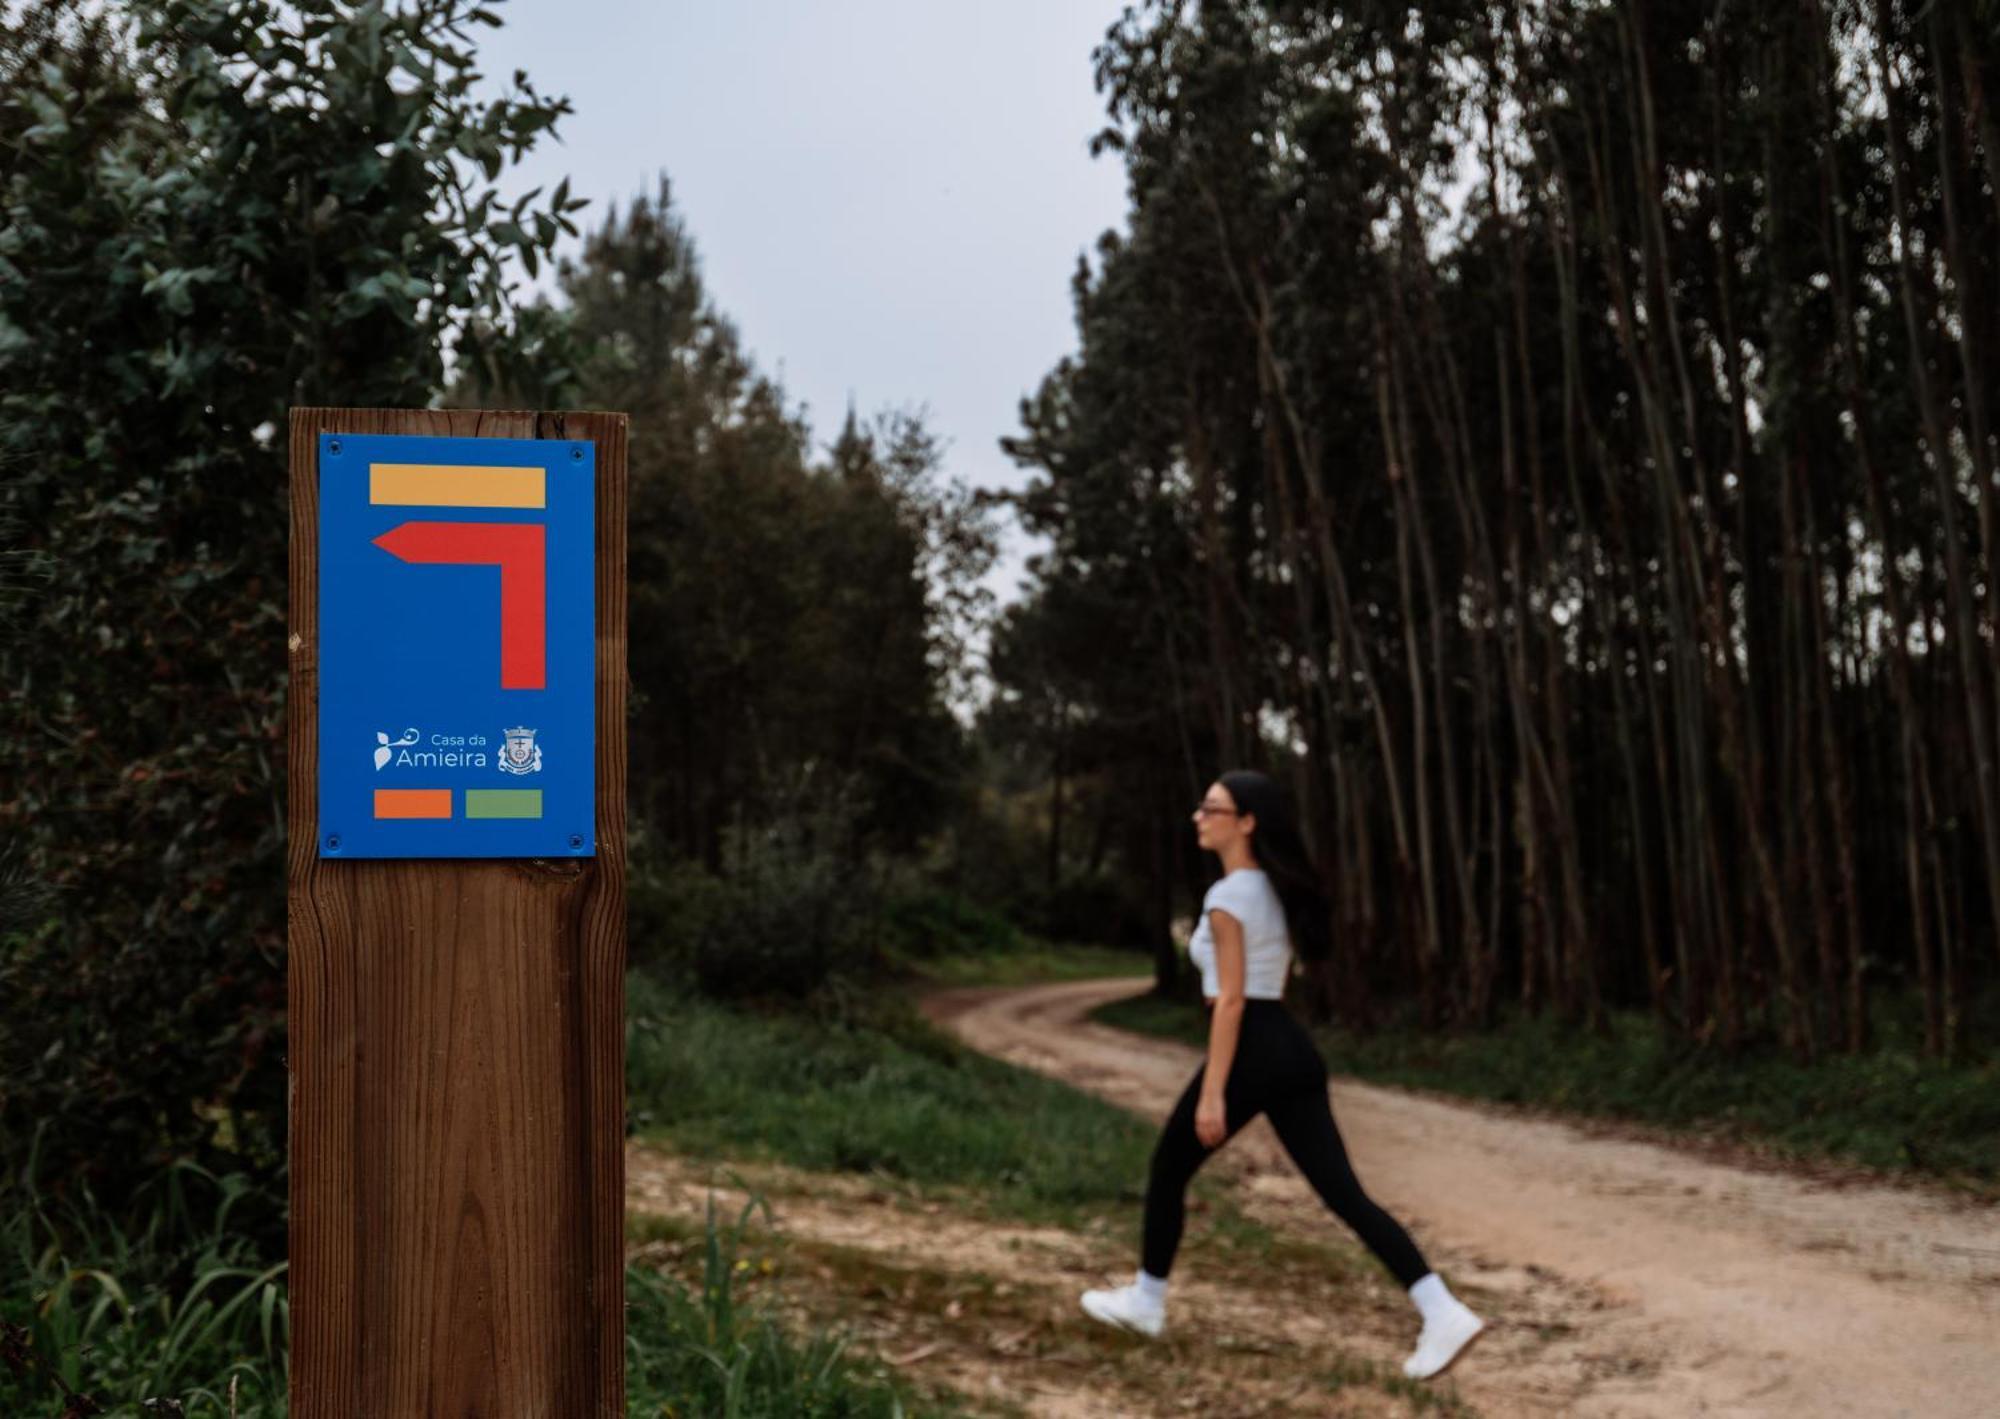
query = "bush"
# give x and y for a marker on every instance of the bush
(670, 905)
(934, 922)
(792, 914)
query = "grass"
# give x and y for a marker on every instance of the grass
(957, 1318)
(706, 1348)
(175, 1309)
(887, 1095)
(1423, 1397)
(172, 1317)
(1031, 965)
(1889, 1109)
(831, 1288)
(171, 1312)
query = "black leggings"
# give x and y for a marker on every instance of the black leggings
(1277, 1071)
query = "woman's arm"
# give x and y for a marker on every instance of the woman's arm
(1224, 1026)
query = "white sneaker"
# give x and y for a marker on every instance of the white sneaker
(1443, 1341)
(1126, 1308)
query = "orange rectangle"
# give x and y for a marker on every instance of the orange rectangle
(454, 485)
(413, 803)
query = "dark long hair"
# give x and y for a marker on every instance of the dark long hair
(1281, 851)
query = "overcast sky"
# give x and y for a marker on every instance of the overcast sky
(888, 196)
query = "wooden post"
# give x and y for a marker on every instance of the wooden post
(457, 1055)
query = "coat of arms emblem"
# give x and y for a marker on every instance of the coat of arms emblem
(521, 754)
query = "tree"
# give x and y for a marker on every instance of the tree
(1598, 543)
(215, 209)
(794, 619)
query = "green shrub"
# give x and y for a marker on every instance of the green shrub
(790, 915)
(670, 908)
(933, 922)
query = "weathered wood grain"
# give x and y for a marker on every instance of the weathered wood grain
(457, 1057)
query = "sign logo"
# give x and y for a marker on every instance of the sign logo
(385, 747)
(522, 754)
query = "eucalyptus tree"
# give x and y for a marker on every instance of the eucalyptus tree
(1575, 428)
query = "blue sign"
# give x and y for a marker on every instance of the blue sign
(457, 654)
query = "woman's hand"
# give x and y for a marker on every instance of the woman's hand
(1211, 1126)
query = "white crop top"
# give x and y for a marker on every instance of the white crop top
(1247, 895)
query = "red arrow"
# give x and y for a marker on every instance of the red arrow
(519, 550)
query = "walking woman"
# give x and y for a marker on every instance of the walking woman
(1260, 1060)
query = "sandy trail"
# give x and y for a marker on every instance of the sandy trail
(987, 1307)
(1622, 1277)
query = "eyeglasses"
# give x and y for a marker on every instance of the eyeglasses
(1202, 810)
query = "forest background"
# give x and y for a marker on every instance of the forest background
(1606, 569)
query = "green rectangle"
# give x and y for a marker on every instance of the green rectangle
(503, 803)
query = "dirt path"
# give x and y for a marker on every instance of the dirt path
(1625, 1278)
(986, 1308)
